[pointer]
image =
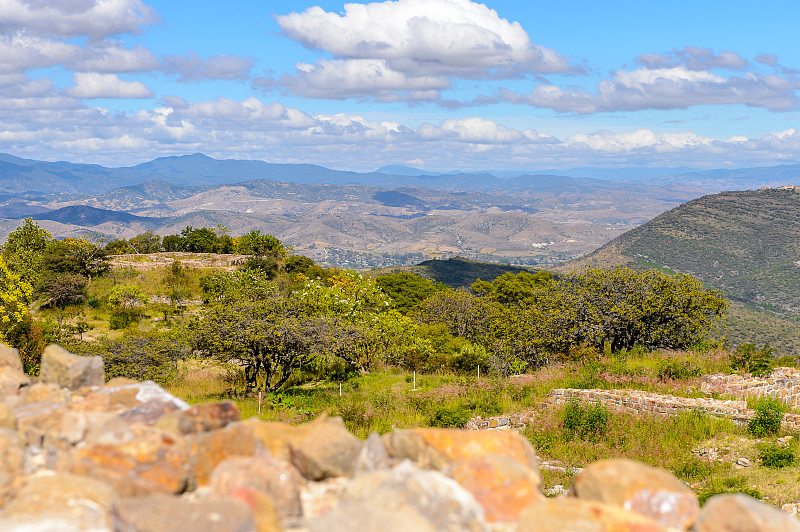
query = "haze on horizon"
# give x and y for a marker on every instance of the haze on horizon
(435, 84)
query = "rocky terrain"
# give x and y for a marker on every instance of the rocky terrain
(79, 453)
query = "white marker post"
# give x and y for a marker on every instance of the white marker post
(415, 380)
(259, 403)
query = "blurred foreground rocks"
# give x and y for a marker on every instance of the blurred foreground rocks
(77, 453)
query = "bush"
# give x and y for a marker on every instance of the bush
(750, 359)
(776, 456)
(455, 417)
(767, 418)
(678, 370)
(585, 422)
(737, 484)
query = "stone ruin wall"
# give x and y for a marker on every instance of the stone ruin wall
(638, 402)
(783, 384)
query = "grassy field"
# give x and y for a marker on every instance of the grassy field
(699, 449)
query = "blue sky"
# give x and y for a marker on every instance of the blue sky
(437, 84)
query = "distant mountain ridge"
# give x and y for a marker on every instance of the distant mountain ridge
(18, 175)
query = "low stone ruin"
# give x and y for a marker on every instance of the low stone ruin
(78, 453)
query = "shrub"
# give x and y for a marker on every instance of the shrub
(677, 370)
(737, 484)
(776, 456)
(767, 418)
(455, 417)
(585, 422)
(750, 359)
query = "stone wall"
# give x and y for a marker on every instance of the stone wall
(639, 402)
(783, 384)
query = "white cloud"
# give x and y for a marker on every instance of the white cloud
(71, 18)
(111, 57)
(20, 52)
(94, 85)
(694, 58)
(400, 45)
(664, 88)
(355, 78)
(192, 67)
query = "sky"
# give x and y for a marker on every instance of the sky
(434, 84)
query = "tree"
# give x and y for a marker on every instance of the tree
(24, 249)
(270, 338)
(15, 292)
(620, 306)
(254, 243)
(511, 289)
(147, 242)
(127, 302)
(64, 289)
(203, 240)
(83, 256)
(407, 290)
(175, 280)
(465, 315)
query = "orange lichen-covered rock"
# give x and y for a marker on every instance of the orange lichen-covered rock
(503, 486)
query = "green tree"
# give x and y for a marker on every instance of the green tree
(24, 249)
(254, 243)
(620, 306)
(147, 242)
(203, 240)
(83, 256)
(510, 288)
(127, 302)
(465, 315)
(407, 290)
(270, 338)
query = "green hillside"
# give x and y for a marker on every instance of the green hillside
(746, 244)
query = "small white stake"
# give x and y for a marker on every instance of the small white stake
(259, 403)
(340, 389)
(415, 380)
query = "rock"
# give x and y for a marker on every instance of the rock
(556, 491)
(162, 513)
(8, 420)
(12, 380)
(61, 367)
(401, 499)
(44, 393)
(36, 420)
(11, 464)
(576, 515)
(261, 506)
(72, 498)
(212, 448)
(199, 418)
(503, 486)
(9, 358)
(437, 448)
(373, 455)
(43, 523)
(151, 461)
(329, 451)
(744, 462)
(275, 478)
(651, 492)
(149, 412)
(793, 508)
(734, 512)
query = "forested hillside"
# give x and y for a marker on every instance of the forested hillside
(746, 244)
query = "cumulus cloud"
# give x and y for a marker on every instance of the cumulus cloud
(664, 88)
(95, 85)
(192, 67)
(411, 45)
(111, 57)
(693, 58)
(72, 18)
(251, 128)
(21, 52)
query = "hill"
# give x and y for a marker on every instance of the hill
(458, 272)
(746, 244)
